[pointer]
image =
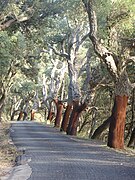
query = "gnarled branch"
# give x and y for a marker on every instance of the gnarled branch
(107, 56)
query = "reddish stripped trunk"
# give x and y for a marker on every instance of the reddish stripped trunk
(59, 106)
(77, 109)
(32, 115)
(73, 128)
(20, 116)
(50, 115)
(65, 120)
(117, 125)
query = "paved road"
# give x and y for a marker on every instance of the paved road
(55, 156)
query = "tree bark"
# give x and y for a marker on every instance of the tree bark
(101, 128)
(131, 126)
(59, 106)
(65, 120)
(50, 115)
(20, 116)
(13, 114)
(2, 99)
(83, 124)
(73, 122)
(32, 115)
(50, 112)
(73, 117)
(117, 124)
(7, 24)
(132, 139)
(1, 109)
(24, 115)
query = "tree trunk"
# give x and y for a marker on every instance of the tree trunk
(101, 128)
(132, 139)
(65, 120)
(20, 116)
(83, 124)
(24, 116)
(2, 99)
(117, 124)
(120, 77)
(131, 126)
(59, 105)
(50, 112)
(13, 114)
(77, 109)
(1, 109)
(73, 117)
(50, 115)
(32, 115)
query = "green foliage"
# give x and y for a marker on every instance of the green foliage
(116, 13)
(5, 52)
(12, 50)
(125, 21)
(23, 87)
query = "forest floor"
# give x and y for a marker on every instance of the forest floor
(8, 151)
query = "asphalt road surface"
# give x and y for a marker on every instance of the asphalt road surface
(56, 156)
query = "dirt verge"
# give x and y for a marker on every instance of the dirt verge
(8, 151)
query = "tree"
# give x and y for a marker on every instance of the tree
(11, 56)
(18, 21)
(69, 43)
(118, 72)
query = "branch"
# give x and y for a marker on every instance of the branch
(107, 56)
(116, 17)
(81, 41)
(130, 43)
(131, 59)
(59, 54)
(23, 18)
(84, 37)
(20, 18)
(7, 24)
(133, 85)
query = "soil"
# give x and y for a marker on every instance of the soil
(8, 151)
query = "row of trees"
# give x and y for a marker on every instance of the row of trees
(73, 61)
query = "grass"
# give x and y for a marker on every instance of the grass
(8, 151)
